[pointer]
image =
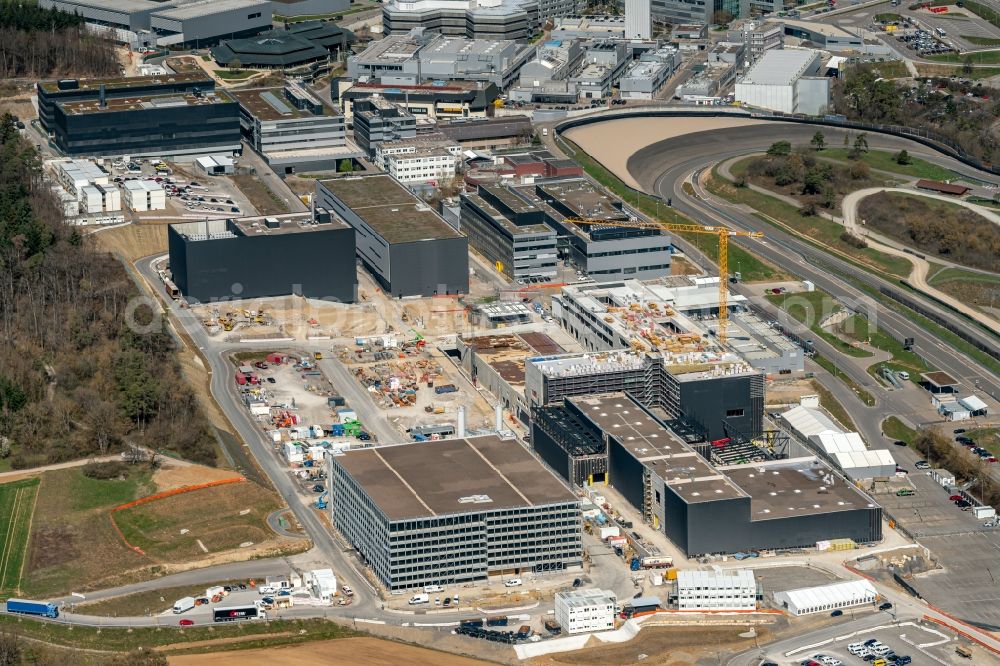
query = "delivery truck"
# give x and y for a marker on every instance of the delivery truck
(235, 613)
(184, 605)
(25, 607)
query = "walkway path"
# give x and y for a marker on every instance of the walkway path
(14, 475)
(920, 267)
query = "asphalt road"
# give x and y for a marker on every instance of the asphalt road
(662, 168)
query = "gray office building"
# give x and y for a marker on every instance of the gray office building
(205, 22)
(408, 248)
(379, 121)
(130, 15)
(476, 19)
(219, 260)
(453, 511)
(421, 55)
(293, 8)
(603, 251)
(511, 234)
(161, 116)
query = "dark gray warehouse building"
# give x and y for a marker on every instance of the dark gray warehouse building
(407, 247)
(162, 115)
(220, 260)
(704, 508)
(453, 511)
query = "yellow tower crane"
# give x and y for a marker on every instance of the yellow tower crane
(722, 232)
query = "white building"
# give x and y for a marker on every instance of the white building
(786, 80)
(144, 195)
(580, 611)
(638, 19)
(421, 165)
(716, 590)
(74, 175)
(826, 598)
(216, 165)
(322, 584)
(100, 199)
(848, 452)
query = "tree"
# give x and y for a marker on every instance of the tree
(903, 158)
(818, 141)
(235, 64)
(10, 649)
(813, 182)
(345, 166)
(780, 149)
(860, 171)
(861, 143)
(722, 17)
(967, 65)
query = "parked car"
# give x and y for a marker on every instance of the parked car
(186, 622)
(900, 443)
(318, 488)
(885, 606)
(922, 464)
(955, 498)
(958, 431)
(837, 613)
(512, 582)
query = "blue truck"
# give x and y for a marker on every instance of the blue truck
(25, 607)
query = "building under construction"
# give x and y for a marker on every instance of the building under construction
(724, 497)
(714, 394)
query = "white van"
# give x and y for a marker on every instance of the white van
(902, 374)
(433, 589)
(183, 605)
(512, 582)
(418, 599)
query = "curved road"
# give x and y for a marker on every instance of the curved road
(663, 167)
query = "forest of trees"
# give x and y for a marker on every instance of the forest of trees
(942, 106)
(940, 230)
(45, 43)
(75, 380)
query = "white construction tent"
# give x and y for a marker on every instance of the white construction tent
(826, 598)
(974, 404)
(848, 452)
(808, 421)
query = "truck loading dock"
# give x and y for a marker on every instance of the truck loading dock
(407, 247)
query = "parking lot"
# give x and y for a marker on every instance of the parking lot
(922, 644)
(187, 192)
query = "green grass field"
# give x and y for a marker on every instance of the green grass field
(894, 429)
(977, 58)
(832, 405)
(812, 228)
(811, 308)
(981, 41)
(886, 161)
(235, 74)
(17, 503)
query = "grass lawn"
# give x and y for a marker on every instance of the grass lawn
(832, 405)
(17, 502)
(986, 438)
(831, 367)
(977, 58)
(74, 546)
(894, 429)
(812, 228)
(263, 199)
(884, 160)
(924, 69)
(861, 329)
(238, 514)
(980, 290)
(811, 308)
(887, 17)
(125, 639)
(235, 74)
(753, 268)
(890, 69)
(981, 41)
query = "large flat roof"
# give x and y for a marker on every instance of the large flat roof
(390, 209)
(143, 102)
(207, 8)
(118, 82)
(685, 471)
(794, 487)
(779, 67)
(271, 104)
(452, 476)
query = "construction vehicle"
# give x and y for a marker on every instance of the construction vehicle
(352, 428)
(722, 232)
(321, 500)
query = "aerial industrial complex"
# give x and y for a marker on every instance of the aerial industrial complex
(435, 264)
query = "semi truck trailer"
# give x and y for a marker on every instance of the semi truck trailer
(25, 607)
